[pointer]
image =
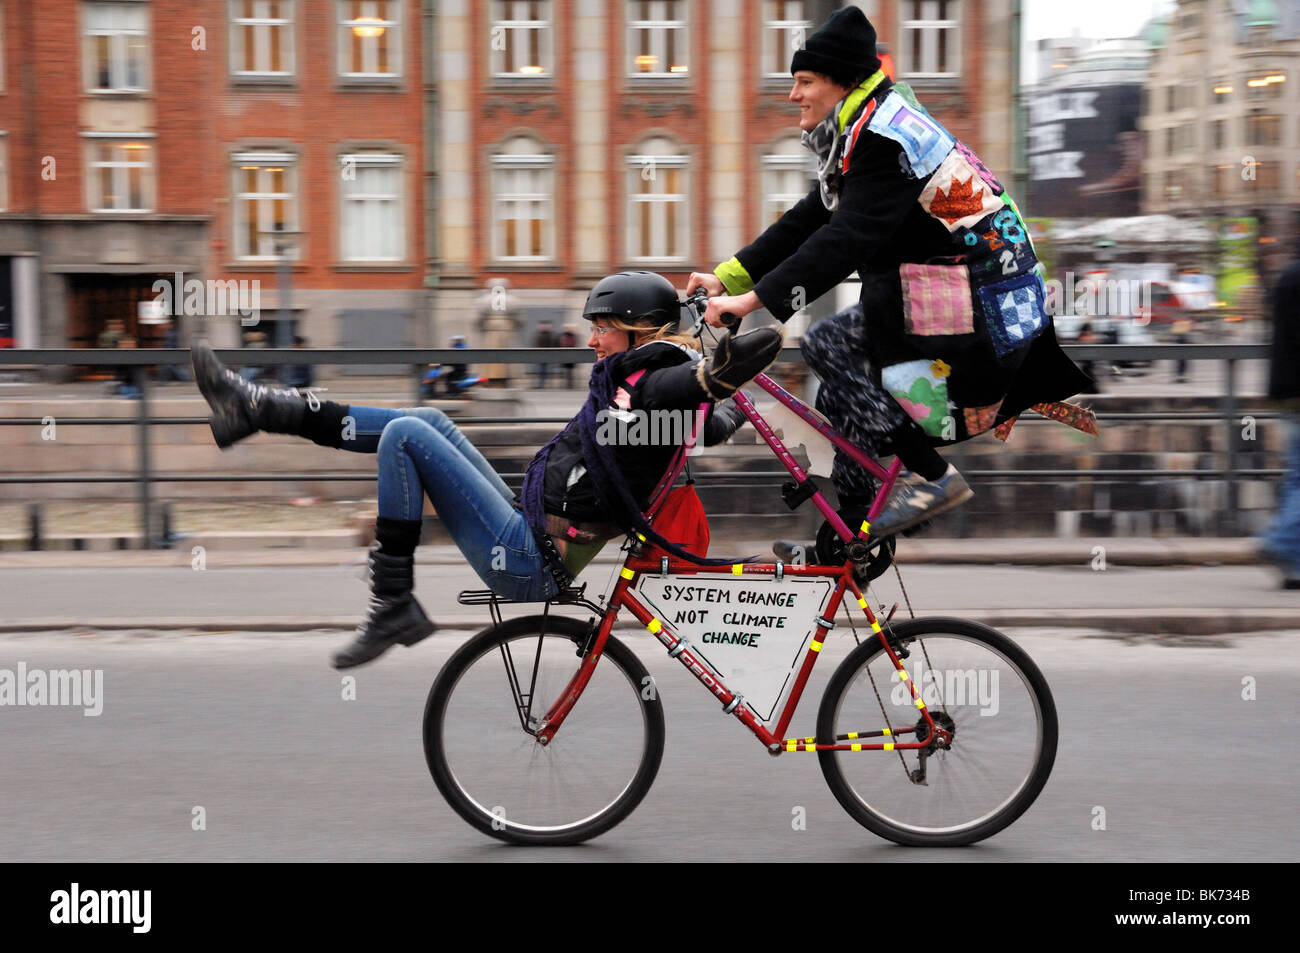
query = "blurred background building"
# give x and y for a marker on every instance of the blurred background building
(397, 171)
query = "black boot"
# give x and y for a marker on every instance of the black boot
(393, 616)
(240, 408)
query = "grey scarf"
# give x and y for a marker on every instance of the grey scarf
(825, 141)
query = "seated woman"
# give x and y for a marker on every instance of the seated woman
(582, 489)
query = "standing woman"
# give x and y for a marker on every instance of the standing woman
(952, 336)
(580, 491)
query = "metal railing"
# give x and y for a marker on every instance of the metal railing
(142, 360)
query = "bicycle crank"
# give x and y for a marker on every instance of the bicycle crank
(944, 723)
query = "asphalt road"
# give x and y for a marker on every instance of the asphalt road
(84, 596)
(254, 729)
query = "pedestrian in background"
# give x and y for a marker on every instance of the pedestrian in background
(1280, 543)
(545, 338)
(569, 339)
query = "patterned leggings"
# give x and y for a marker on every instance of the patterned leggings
(851, 399)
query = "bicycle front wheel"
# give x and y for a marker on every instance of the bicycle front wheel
(978, 685)
(486, 706)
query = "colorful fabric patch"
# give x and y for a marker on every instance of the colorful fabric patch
(936, 299)
(957, 196)
(920, 392)
(925, 143)
(1003, 430)
(1072, 415)
(980, 167)
(1014, 312)
(980, 419)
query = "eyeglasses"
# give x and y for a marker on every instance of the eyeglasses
(600, 332)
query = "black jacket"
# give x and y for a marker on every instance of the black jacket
(1284, 374)
(947, 210)
(661, 404)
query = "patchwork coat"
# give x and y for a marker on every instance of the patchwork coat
(951, 287)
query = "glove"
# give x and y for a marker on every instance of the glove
(737, 360)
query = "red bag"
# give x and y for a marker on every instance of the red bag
(681, 520)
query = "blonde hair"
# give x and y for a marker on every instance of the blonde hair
(645, 334)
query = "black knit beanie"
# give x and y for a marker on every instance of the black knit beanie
(843, 49)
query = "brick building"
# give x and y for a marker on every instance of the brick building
(581, 137)
(146, 138)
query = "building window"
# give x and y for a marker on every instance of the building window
(1266, 84)
(523, 186)
(785, 27)
(521, 38)
(372, 225)
(1171, 102)
(1221, 180)
(787, 177)
(266, 202)
(370, 39)
(1220, 133)
(1263, 130)
(1267, 176)
(657, 202)
(261, 38)
(117, 47)
(1221, 91)
(4, 174)
(656, 38)
(120, 174)
(1170, 145)
(930, 37)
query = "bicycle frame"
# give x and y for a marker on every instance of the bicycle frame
(635, 564)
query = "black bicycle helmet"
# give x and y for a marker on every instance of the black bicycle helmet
(635, 297)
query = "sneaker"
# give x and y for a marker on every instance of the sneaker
(911, 503)
(788, 551)
(1291, 582)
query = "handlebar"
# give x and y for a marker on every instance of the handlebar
(699, 302)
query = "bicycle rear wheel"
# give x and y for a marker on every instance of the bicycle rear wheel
(976, 683)
(488, 700)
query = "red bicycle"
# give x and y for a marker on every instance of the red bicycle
(549, 730)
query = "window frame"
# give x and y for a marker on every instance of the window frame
(292, 163)
(377, 156)
(541, 159)
(770, 28)
(545, 30)
(345, 26)
(289, 48)
(634, 163)
(118, 41)
(94, 164)
(634, 26)
(908, 24)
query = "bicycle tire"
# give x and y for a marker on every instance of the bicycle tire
(1012, 767)
(498, 778)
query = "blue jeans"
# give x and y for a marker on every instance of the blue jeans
(1282, 538)
(421, 451)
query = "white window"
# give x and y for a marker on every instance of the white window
(119, 175)
(370, 39)
(521, 38)
(785, 27)
(931, 37)
(372, 226)
(117, 47)
(523, 188)
(657, 202)
(787, 178)
(266, 202)
(261, 38)
(657, 38)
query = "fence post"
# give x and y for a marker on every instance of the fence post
(34, 524)
(146, 529)
(1230, 434)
